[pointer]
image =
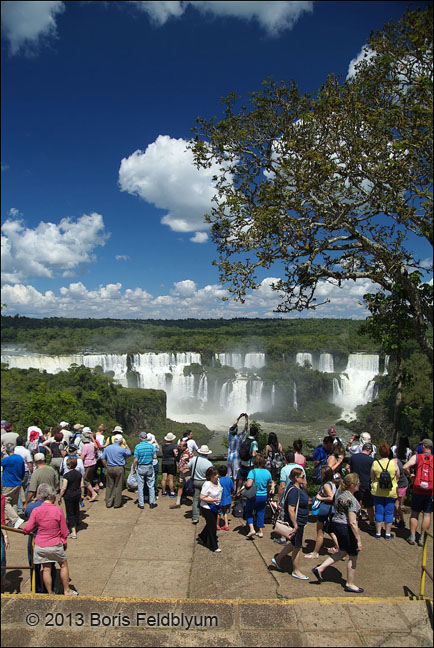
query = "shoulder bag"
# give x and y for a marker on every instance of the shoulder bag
(188, 489)
(284, 528)
(250, 493)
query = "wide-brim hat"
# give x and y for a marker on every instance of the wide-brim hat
(170, 437)
(118, 429)
(78, 426)
(118, 438)
(204, 450)
(150, 438)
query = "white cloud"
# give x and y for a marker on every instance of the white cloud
(186, 299)
(122, 257)
(25, 24)
(273, 16)
(49, 248)
(199, 237)
(366, 53)
(165, 176)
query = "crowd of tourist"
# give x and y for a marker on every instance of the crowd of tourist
(74, 465)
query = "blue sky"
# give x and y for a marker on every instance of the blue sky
(102, 210)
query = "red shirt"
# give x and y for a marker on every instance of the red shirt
(52, 529)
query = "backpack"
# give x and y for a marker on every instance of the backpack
(238, 508)
(316, 473)
(33, 443)
(385, 480)
(245, 449)
(424, 470)
(276, 462)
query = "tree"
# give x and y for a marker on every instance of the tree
(332, 186)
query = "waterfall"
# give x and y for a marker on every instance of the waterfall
(302, 358)
(294, 397)
(273, 395)
(202, 390)
(237, 361)
(254, 360)
(326, 363)
(356, 385)
(230, 359)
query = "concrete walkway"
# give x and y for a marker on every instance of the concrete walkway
(146, 555)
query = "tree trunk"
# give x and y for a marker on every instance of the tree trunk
(398, 399)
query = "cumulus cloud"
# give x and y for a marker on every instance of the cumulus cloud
(366, 53)
(26, 24)
(165, 176)
(186, 299)
(273, 16)
(49, 248)
(199, 237)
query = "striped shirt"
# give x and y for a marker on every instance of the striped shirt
(235, 441)
(144, 453)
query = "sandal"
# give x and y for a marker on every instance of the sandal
(312, 555)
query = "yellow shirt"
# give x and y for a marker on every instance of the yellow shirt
(377, 469)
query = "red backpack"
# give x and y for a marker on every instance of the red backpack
(424, 473)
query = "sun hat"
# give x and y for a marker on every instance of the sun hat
(204, 450)
(150, 438)
(170, 437)
(118, 429)
(78, 426)
(63, 424)
(86, 430)
(39, 456)
(118, 438)
(365, 437)
(143, 436)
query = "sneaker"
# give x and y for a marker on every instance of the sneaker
(195, 521)
(152, 506)
(163, 494)
(217, 550)
(389, 536)
(420, 542)
(141, 507)
(172, 495)
(279, 540)
(411, 540)
(378, 536)
(18, 523)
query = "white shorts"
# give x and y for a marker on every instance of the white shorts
(233, 469)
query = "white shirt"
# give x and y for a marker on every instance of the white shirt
(191, 445)
(25, 454)
(356, 449)
(31, 428)
(211, 490)
(79, 467)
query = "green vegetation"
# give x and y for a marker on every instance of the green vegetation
(275, 337)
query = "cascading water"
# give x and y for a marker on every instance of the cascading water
(303, 359)
(294, 397)
(356, 385)
(238, 361)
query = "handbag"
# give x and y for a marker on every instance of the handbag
(188, 490)
(320, 508)
(250, 493)
(282, 527)
(132, 479)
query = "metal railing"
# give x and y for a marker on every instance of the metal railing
(423, 569)
(31, 566)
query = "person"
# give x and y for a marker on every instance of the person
(263, 480)
(335, 460)
(114, 459)
(274, 460)
(384, 496)
(72, 492)
(42, 474)
(320, 457)
(28, 466)
(39, 585)
(228, 488)
(286, 472)
(191, 443)
(248, 451)
(67, 434)
(88, 456)
(357, 441)
(326, 494)
(210, 498)
(56, 447)
(152, 440)
(34, 428)
(198, 467)
(400, 458)
(419, 447)
(99, 474)
(422, 494)
(111, 438)
(344, 524)
(185, 456)
(144, 453)
(299, 458)
(168, 464)
(235, 440)
(4, 542)
(402, 449)
(51, 538)
(72, 452)
(333, 434)
(7, 436)
(296, 511)
(12, 478)
(361, 464)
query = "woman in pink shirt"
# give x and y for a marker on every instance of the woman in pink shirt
(88, 457)
(51, 538)
(298, 457)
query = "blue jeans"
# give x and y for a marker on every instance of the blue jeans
(145, 471)
(258, 505)
(384, 507)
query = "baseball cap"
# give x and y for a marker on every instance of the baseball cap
(39, 456)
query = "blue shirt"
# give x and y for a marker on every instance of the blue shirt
(298, 495)
(115, 455)
(320, 454)
(144, 453)
(228, 486)
(262, 477)
(286, 471)
(14, 470)
(235, 441)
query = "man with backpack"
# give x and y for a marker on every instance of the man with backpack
(248, 451)
(422, 496)
(320, 457)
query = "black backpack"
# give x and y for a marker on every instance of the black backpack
(385, 480)
(245, 449)
(238, 509)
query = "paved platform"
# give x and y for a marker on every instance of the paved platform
(129, 560)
